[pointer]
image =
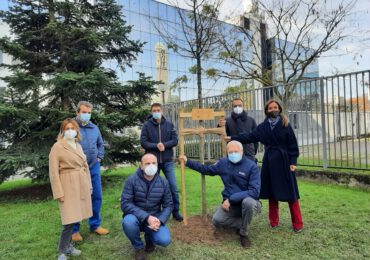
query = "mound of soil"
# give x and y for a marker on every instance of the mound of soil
(201, 230)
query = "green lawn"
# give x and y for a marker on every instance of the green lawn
(337, 226)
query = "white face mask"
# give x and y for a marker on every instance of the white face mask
(151, 169)
(238, 110)
(70, 134)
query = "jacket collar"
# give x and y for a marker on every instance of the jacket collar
(77, 151)
(242, 115)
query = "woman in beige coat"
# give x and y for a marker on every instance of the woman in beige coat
(70, 182)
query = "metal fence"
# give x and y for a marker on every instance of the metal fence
(330, 117)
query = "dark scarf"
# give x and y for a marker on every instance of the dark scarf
(242, 115)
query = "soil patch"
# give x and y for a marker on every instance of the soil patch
(201, 230)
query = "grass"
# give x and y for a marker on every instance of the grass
(337, 226)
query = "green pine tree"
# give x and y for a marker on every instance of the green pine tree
(60, 48)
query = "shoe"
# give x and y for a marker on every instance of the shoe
(298, 230)
(76, 237)
(62, 257)
(101, 231)
(149, 247)
(274, 227)
(176, 215)
(71, 250)
(140, 254)
(245, 242)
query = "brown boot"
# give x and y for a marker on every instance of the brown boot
(140, 254)
(76, 237)
(245, 242)
(101, 231)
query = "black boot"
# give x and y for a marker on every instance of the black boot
(149, 246)
(140, 254)
(176, 215)
(245, 242)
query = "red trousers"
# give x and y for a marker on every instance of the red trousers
(295, 213)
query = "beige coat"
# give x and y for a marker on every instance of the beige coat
(70, 178)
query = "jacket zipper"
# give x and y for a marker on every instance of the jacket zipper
(160, 140)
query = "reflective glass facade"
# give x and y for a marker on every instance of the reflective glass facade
(143, 15)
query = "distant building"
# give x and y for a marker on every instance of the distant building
(162, 63)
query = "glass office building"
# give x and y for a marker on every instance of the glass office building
(163, 63)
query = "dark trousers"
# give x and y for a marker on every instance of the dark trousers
(65, 238)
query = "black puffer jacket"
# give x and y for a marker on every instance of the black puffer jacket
(144, 198)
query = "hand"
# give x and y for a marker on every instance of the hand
(183, 158)
(226, 205)
(99, 160)
(227, 138)
(293, 168)
(154, 223)
(221, 122)
(61, 199)
(160, 147)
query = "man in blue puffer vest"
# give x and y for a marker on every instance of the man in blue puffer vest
(93, 147)
(158, 136)
(146, 203)
(241, 178)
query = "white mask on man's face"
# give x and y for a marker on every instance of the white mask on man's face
(238, 110)
(151, 169)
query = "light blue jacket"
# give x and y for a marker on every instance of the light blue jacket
(92, 143)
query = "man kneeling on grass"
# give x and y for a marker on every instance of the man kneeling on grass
(241, 178)
(146, 203)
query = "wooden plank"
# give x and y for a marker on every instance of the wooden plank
(202, 114)
(185, 115)
(210, 116)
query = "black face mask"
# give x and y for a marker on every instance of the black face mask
(273, 114)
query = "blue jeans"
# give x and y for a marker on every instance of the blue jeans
(131, 227)
(169, 171)
(96, 198)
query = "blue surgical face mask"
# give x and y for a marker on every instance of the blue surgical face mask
(157, 115)
(85, 117)
(234, 157)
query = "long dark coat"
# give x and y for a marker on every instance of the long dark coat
(281, 151)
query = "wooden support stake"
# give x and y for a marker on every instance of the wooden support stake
(182, 163)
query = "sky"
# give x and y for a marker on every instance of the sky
(353, 54)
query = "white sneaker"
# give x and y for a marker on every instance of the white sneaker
(62, 257)
(72, 251)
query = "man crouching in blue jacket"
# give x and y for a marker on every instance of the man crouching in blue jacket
(146, 203)
(241, 178)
